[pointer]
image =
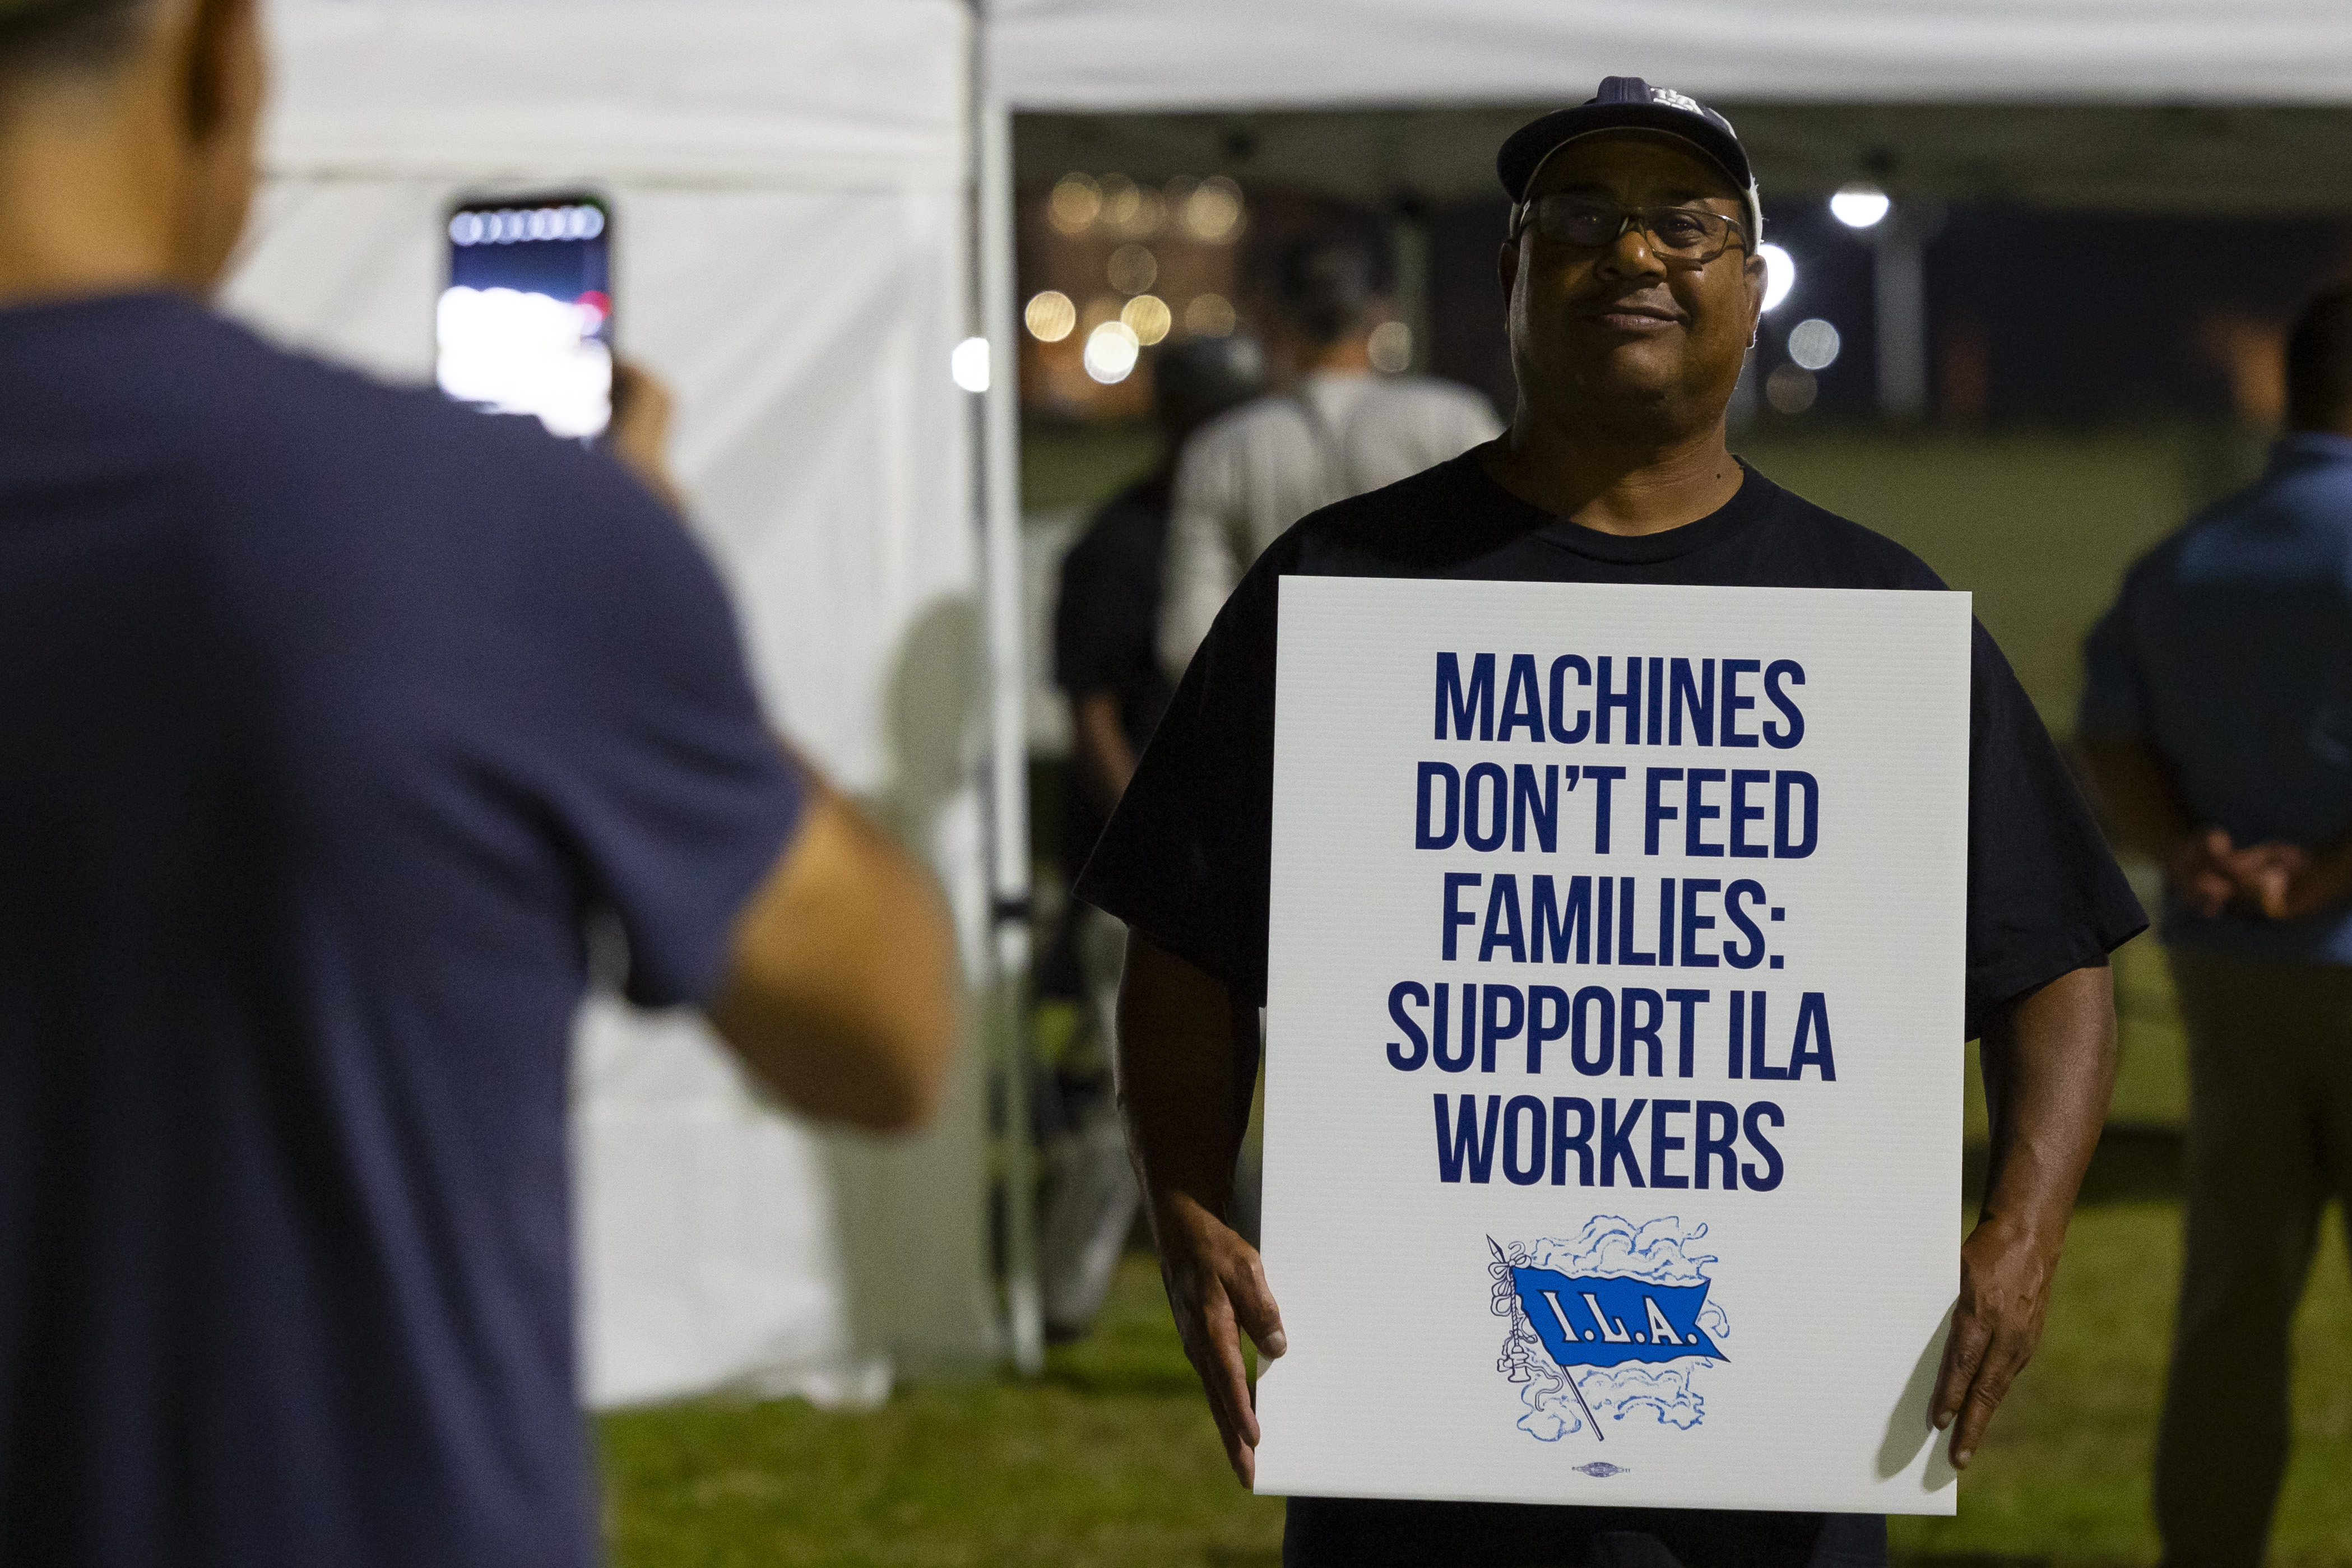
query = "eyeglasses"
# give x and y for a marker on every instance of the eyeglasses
(1690, 237)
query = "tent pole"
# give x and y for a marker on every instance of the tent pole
(1008, 792)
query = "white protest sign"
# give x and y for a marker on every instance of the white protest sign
(1614, 1069)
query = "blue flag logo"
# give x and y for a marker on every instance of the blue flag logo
(1593, 1321)
(1607, 1326)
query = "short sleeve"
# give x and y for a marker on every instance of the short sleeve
(2114, 698)
(1186, 856)
(2045, 896)
(656, 759)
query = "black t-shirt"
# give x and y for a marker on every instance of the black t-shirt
(1185, 859)
(1106, 627)
(331, 712)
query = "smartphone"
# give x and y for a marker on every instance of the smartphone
(526, 323)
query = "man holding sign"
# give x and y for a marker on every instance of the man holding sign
(1905, 795)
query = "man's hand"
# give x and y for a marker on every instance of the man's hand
(2049, 1066)
(2005, 1275)
(2202, 870)
(2287, 881)
(638, 436)
(1217, 1291)
(1187, 1062)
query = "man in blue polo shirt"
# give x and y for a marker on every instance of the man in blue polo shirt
(333, 714)
(2217, 722)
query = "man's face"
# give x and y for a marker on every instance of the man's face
(1616, 336)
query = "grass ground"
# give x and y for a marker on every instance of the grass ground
(1111, 1460)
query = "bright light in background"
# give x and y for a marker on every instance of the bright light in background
(1122, 205)
(969, 364)
(1074, 204)
(1149, 317)
(517, 352)
(1209, 316)
(1780, 274)
(1212, 212)
(1860, 205)
(1813, 343)
(1392, 348)
(1050, 316)
(1111, 351)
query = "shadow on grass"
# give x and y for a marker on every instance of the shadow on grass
(2133, 1164)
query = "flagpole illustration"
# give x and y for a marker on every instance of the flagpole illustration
(1598, 1434)
(1589, 1419)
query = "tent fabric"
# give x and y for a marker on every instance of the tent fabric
(790, 253)
(1215, 54)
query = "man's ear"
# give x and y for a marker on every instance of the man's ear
(1506, 268)
(1759, 276)
(215, 62)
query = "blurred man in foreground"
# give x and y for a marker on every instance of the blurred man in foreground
(1106, 659)
(1634, 290)
(2218, 724)
(1334, 430)
(331, 713)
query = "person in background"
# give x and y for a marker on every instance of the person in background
(2217, 724)
(334, 715)
(1331, 429)
(1632, 290)
(1105, 658)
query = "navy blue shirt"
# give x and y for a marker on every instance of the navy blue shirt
(332, 712)
(2229, 652)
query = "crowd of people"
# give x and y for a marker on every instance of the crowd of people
(337, 717)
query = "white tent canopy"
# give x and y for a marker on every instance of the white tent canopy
(2146, 104)
(788, 186)
(1217, 54)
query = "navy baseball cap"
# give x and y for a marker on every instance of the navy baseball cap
(1629, 103)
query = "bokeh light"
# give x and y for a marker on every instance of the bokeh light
(1122, 203)
(1392, 348)
(1860, 205)
(1050, 316)
(1813, 343)
(1209, 316)
(1111, 353)
(969, 364)
(1791, 388)
(1133, 269)
(1074, 204)
(1149, 317)
(1780, 274)
(1212, 212)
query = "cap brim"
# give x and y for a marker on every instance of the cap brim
(1533, 142)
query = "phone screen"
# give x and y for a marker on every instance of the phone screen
(526, 323)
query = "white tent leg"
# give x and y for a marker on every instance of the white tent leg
(1000, 458)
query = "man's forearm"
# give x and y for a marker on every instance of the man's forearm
(1106, 760)
(1186, 1070)
(2049, 1070)
(2049, 1064)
